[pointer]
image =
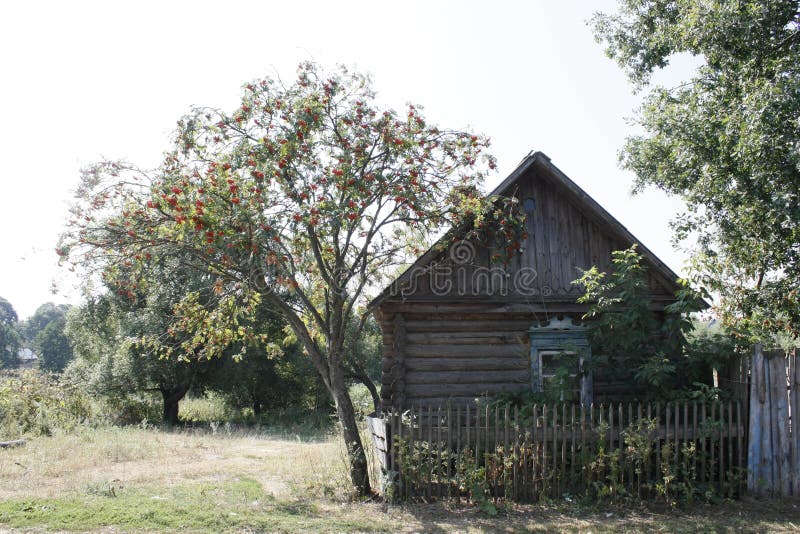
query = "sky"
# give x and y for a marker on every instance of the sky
(82, 81)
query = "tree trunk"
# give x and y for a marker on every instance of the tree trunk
(361, 375)
(376, 399)
(331, 370)
(172, 397)
(359, 473)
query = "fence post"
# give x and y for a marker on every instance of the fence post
(794, 406)
(759, 472)
(397, 449)
(515, 454)
(768, 455)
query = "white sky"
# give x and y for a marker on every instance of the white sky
(85, 80)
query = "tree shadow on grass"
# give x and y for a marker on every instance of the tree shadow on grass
(739, 516)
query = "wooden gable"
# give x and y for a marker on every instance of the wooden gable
(567, 232)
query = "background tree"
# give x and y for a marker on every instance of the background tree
(113, 334)
(726, 141)
(52, 346)
(298, 198)
(110, 364)
(10, 340)
(43, 315)
(274, 375)
(44, 333)
(8, 315)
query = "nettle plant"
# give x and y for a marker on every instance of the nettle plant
(302, 197)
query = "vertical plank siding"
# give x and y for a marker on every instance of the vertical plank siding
(773, 455)
(551, 450)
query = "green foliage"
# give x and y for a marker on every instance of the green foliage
(127, 350)
(262, 382)
(10, 343)
(35, 403)
(629, 344)
(623, 324)
(211, 407)
(8, 315)
(52, 346)
(477, 487)
(273, 375)
(725, 142)
(10, 340)
(112, 364)
(130, 408)
(44, 315)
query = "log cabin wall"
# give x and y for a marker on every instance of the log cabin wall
(433, 353)
(456, 324)
(436, 354)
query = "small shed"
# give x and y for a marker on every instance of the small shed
(458, 326)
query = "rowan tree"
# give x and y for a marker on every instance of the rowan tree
(299, 198)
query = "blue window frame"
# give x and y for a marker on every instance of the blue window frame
(552, 345)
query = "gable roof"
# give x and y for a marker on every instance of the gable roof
(541, 162)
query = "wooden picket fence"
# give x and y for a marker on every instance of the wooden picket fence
(551, 451)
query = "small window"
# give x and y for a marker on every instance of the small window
(559, 349)
(559, 374)
(529, 204)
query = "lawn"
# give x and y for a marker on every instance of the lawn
(146, 479)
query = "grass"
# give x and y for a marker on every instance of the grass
(212, 410)
(144, 480)
(233, 505)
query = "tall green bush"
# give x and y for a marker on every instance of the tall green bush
(36, 403)
(633, 342)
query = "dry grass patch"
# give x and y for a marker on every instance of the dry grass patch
(50, 466)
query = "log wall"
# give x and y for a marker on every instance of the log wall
(435, 354)
(433, 357)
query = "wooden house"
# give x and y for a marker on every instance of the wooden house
(458, 326)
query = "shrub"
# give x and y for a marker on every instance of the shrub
(33, 402)
(661, 358)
